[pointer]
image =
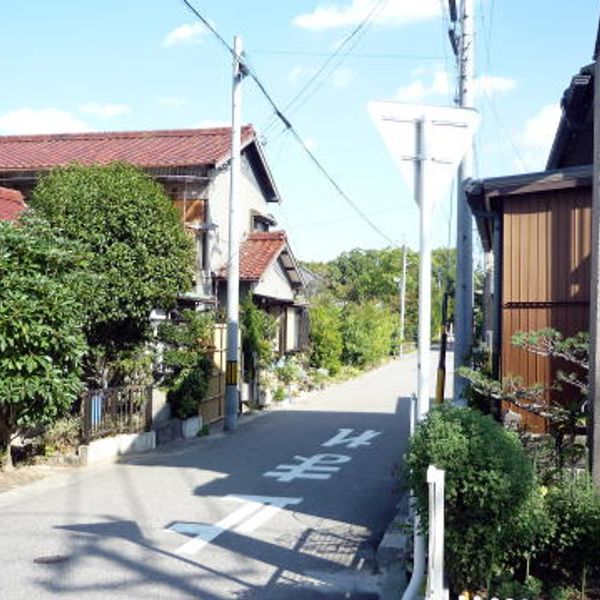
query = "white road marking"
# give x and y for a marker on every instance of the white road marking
(319, 466)
(254, 511)
(342, 438)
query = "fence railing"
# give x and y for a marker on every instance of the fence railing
(116, 410)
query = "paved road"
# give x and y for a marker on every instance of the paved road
(202, 520)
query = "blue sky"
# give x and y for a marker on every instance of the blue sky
(145, 64)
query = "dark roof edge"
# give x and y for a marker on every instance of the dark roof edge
(522, 182)
(479, 191)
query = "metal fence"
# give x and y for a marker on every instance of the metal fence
(116, 410)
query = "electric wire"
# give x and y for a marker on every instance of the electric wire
(361, 29)
(288, 125)
(360, 55)
(487, 40)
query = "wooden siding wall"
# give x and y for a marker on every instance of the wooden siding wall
(545, 273)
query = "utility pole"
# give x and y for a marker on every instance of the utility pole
(593, 404)
(233, 271)
(402, 300)
(463, 306)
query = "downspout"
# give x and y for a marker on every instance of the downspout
(497, 306)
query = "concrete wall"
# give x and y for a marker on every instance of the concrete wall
(275, 284)
(251, 198)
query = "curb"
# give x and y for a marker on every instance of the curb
(393, 552)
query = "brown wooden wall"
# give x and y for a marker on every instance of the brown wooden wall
(545, 273)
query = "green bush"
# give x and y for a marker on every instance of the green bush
(279, 394)
(44, 285)
(488, 481)
(187, 360)
(288, 371)
(61, 437)
(259, 330)
(367, 333)
(573, 552)
(508, 588)
(326, 343)
(189, 389)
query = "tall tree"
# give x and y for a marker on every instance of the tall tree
(43, 283)
(137, 245)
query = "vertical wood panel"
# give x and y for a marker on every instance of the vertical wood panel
(546, 274)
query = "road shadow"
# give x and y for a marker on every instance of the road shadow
(363, 497)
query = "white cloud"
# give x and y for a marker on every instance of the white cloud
(27, 121)
(298, 73)
(538, 133)
(295, 74)
(104, 111)
(309, 143)
(419, 90)
(185, 34)
(439, 84)
(490, 84)
(172, 101)
(342, 77)
(353, 12)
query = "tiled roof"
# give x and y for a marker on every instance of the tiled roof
(257, 253)
(168, 148)
(11, 204)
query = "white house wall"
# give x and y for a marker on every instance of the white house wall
(251, 199)
(275, 284)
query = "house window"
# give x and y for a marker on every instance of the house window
(260, 222)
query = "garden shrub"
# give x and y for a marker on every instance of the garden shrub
(573, 552)
(62, 437)
(367, 333)
(187, 360)
(326, 343)
(488, 480)
(259, 330)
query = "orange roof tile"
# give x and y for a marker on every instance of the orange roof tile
(167, 148)
(257, 252)
(11, 204)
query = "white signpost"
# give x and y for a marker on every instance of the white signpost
(427, 144)
(435, 565)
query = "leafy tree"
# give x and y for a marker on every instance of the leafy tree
(367, 333)
(42, 284)
(136, 243)
(326, 342)
(187, 360)
(361, 276)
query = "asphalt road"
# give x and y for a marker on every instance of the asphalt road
(289, 506)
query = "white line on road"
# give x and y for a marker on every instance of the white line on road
(254, 511)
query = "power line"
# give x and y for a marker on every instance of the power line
(361, 28)
(351, 55)
(288, 125)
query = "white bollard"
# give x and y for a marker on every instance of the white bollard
(435, 579)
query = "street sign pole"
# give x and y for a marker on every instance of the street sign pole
(426, 209)
(427, 143)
